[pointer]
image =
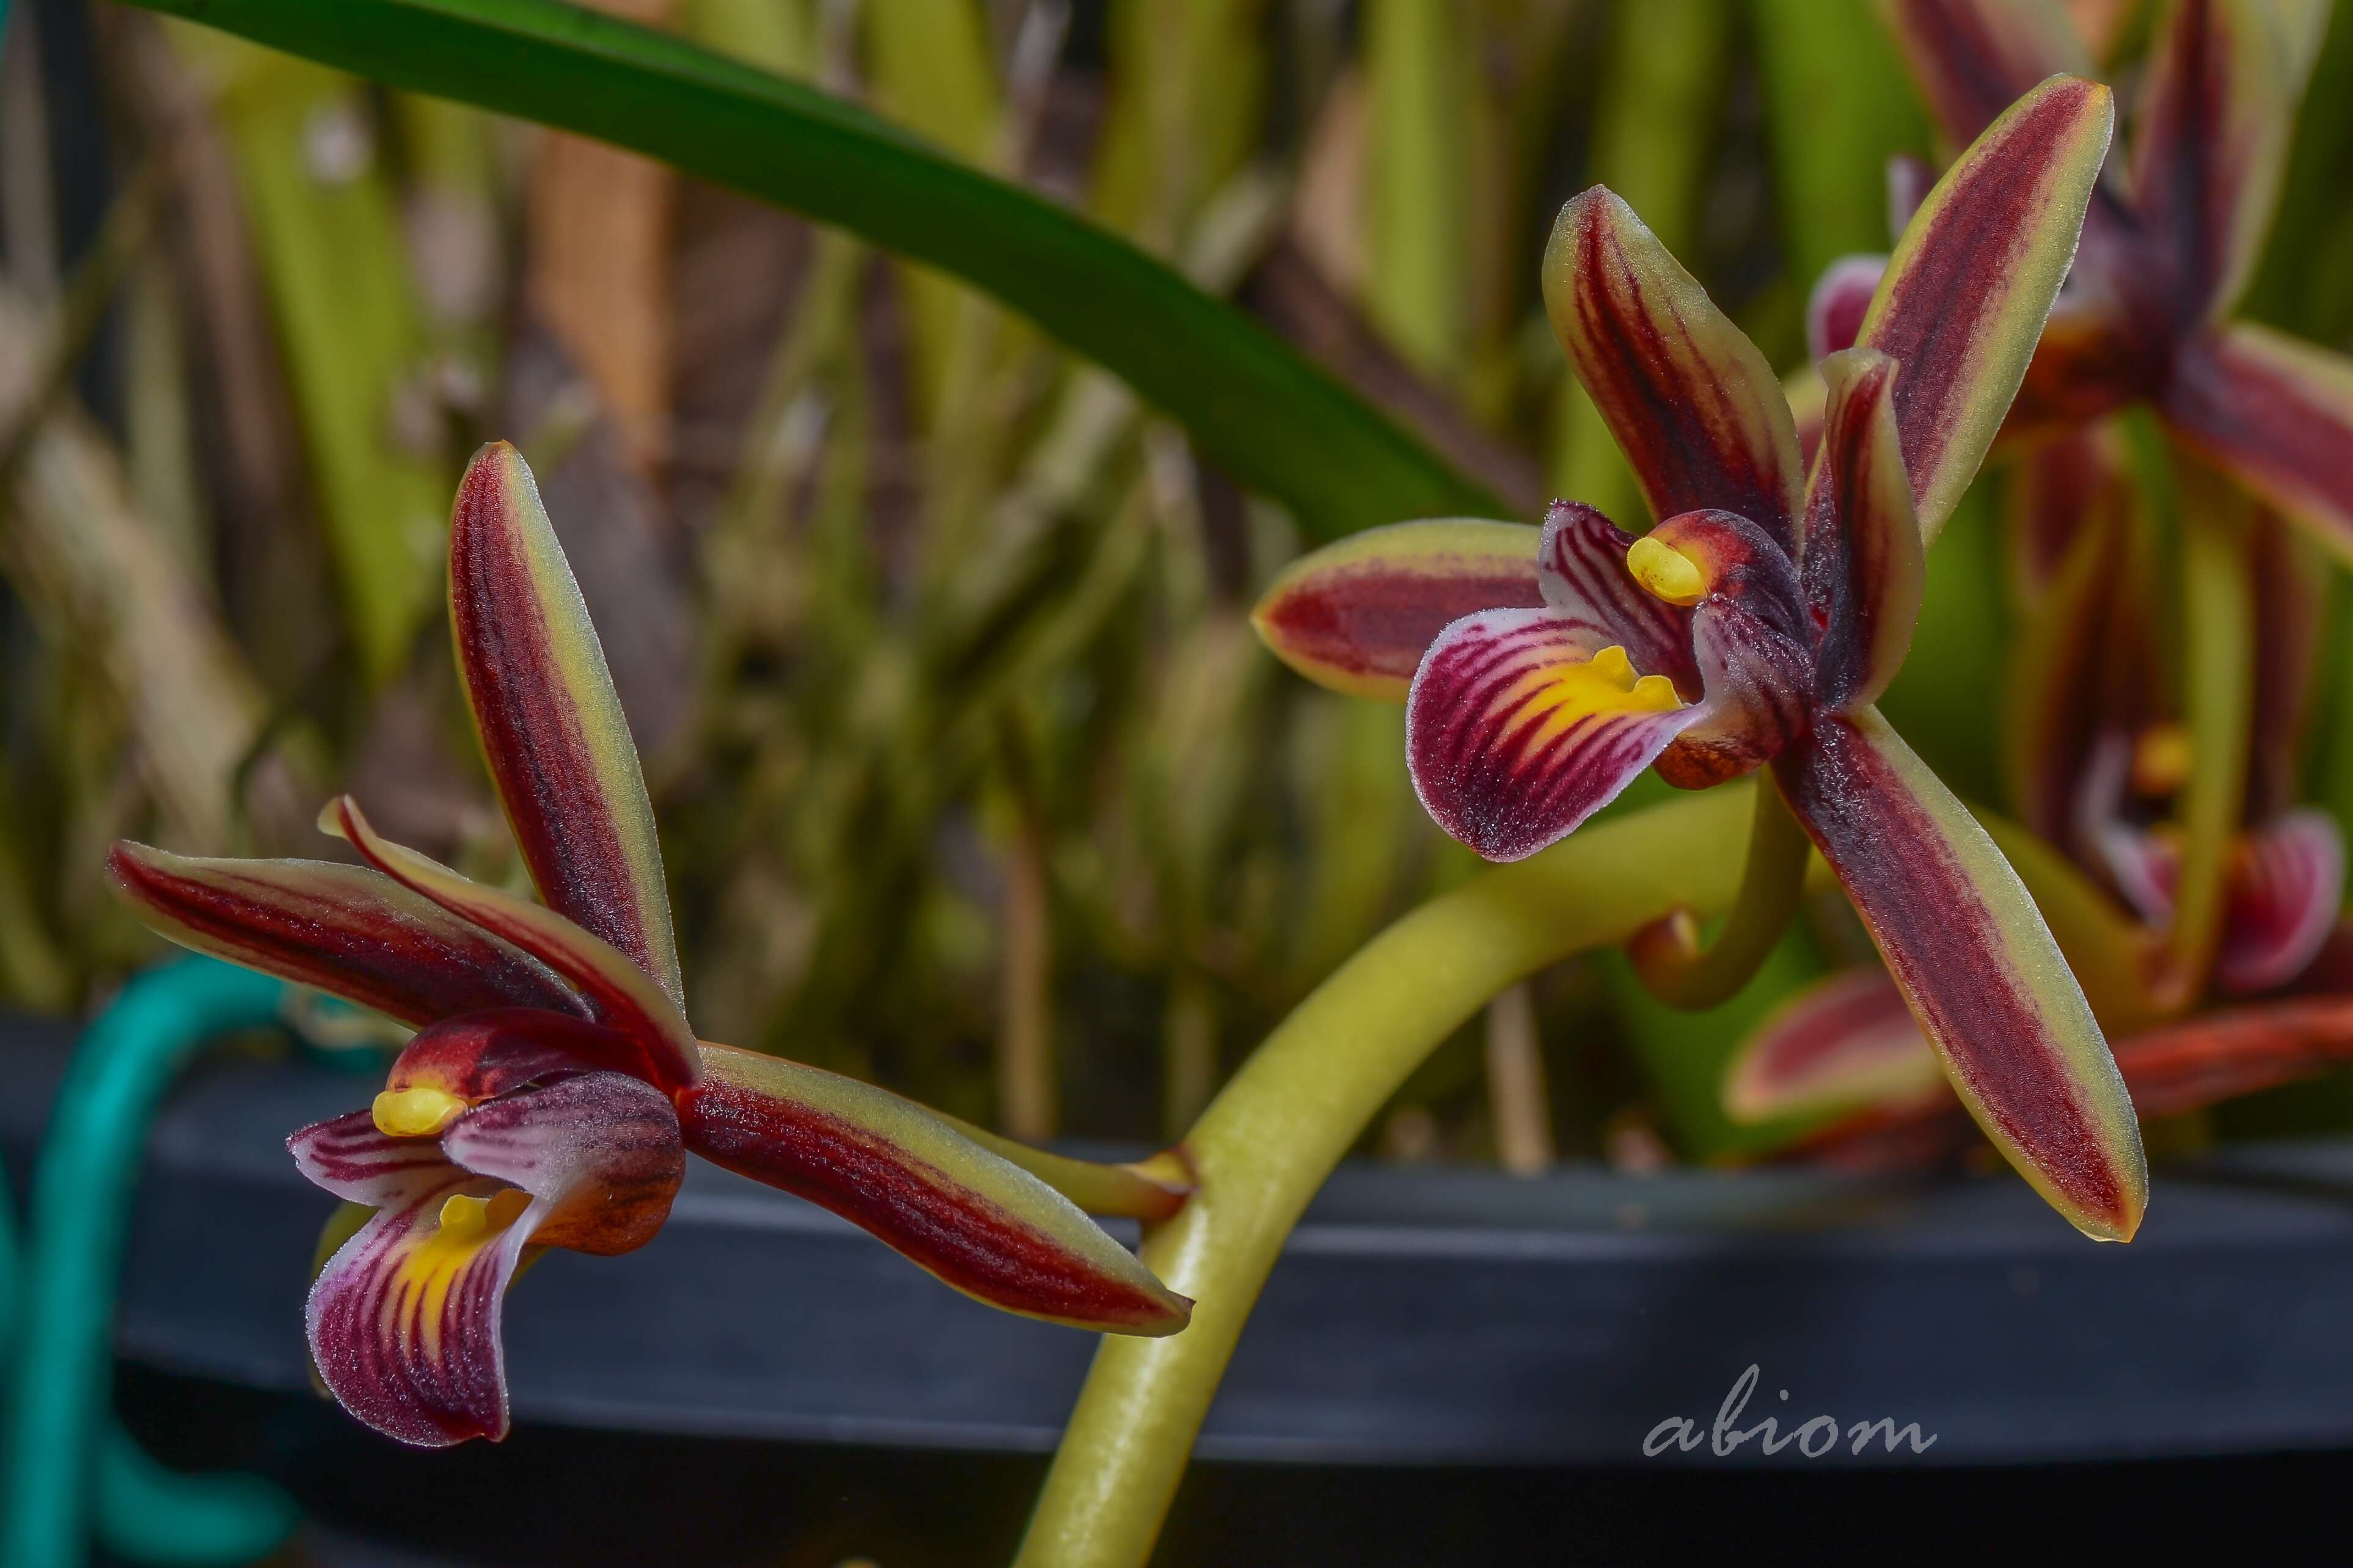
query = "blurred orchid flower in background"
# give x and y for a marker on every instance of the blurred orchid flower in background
(555, 1087)
(1757, 623)
(2097, 752)
(2169, 245)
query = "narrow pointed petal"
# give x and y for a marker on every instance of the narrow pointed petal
(1581, 570)
(1972, 282)
(1692, 403)
(2277, 415)
(347, 930)
(1847, 1041)
(1357, 616)
(2190, 1066)
(622, 995)
(405, 1318)
(968, 1216)
(2218, 103)
(2287, 885)
(1978, 967)
(1866, 566)
(1841, 298)
(2290, 577)
(1521, 725)
(1974, 58)
(552, 728)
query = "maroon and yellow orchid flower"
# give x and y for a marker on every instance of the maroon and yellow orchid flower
(553, 1088)
(2098, 752)
(1757, 623)
(2168, 245)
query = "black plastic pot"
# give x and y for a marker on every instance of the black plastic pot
(1417, 1317)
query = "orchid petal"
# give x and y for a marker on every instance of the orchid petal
(2185, 1067)
(1841, 298)
(1692, 403)
(552, 728)
(404, 1318)
(2217, 110)
(1760, 693)
(347, 930)
(1847, 1040)
(966, 1216)
(1973, 279)
(2287, 884)
(1864, 563)
(1974, 58)
(1358, 614)
(623, 995)
(2277, 414)
(1522, 723)
(1977, 965)
(1581, 570)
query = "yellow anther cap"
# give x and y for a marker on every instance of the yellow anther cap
(415, 1112)
(1666, 571)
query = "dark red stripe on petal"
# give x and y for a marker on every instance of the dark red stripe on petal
(1358, 614)
(2277, 414)
(2218, 104)
(1513, 738)
(1978, 965)
(1692, 403)
(1972, 282)
(347, 930)
(403, 1323)
(1866, 566)
(923, 1212)
(1973, 58)
(621, 994)
(551, 724)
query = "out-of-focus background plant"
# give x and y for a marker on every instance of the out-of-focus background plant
(972, 775)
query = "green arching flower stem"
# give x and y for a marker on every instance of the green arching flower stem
(1772, 878)
(1271, 1137)
(2218, 702)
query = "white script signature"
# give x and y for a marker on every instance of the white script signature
(1814, 1438)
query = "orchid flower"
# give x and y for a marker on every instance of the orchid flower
(1757, 623)
(2169, 247)
(2098, 752)
(555, 1087)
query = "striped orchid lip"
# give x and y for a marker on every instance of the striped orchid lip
(1756, 625)
(2168, 250)
(555, 1086)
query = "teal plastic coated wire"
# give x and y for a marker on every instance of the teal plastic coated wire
(66, 1468)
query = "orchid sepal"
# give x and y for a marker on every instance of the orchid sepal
(1978, 967)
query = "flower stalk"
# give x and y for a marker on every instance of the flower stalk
(1268, 1141)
